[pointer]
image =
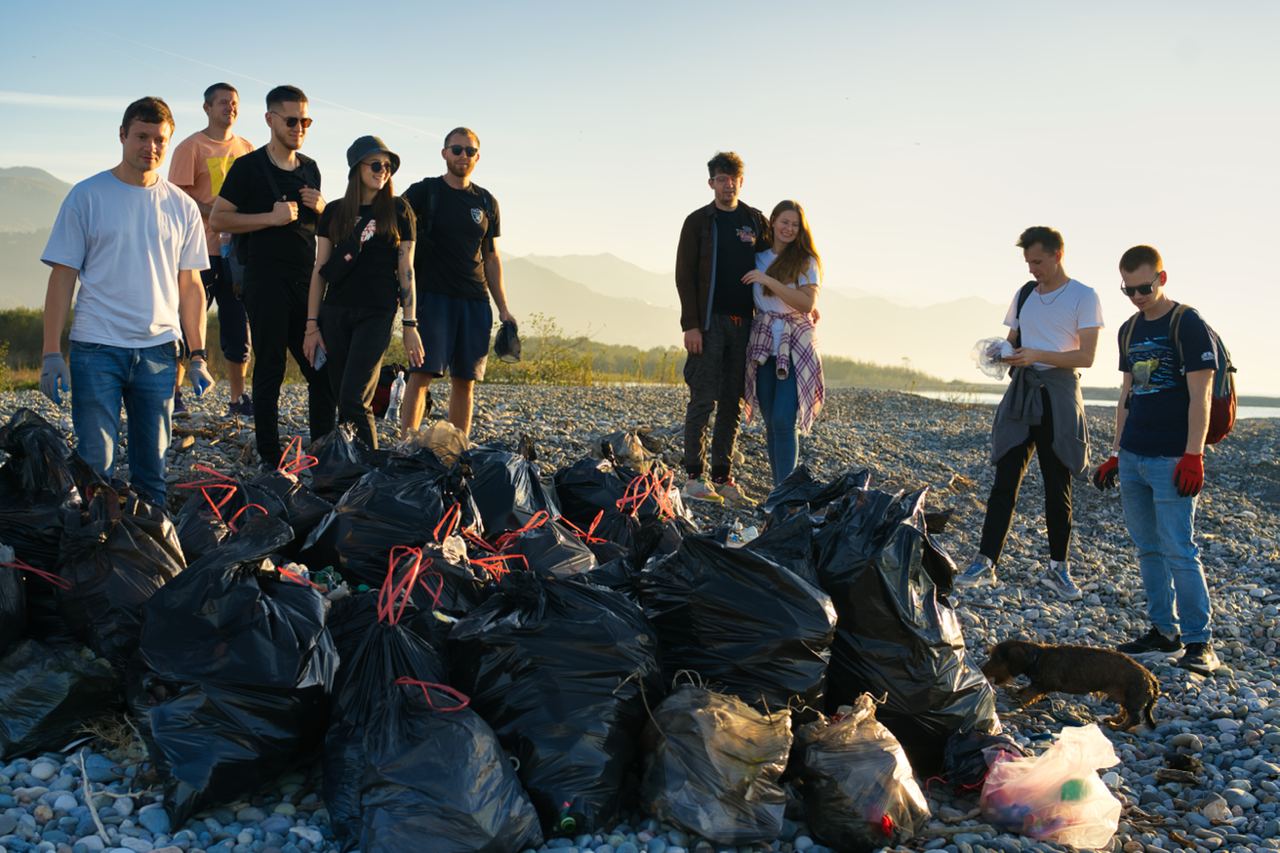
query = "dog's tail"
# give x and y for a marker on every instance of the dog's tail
(1147, 716)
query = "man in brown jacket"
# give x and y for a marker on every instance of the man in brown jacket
(717, 248)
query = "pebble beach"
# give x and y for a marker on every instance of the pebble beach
(1227, 799)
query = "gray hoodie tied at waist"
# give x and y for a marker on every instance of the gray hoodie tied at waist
(1022, 407)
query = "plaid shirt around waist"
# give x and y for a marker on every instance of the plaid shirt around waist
(797, 352)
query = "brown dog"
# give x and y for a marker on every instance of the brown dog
(1077, 669)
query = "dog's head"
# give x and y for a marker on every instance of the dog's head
(1007, 660)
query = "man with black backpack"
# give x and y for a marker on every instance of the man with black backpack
(1168, 357)
(272, 198)
(1053, 325)
(457, 269)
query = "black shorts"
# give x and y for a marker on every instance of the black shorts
(455, 335)
(233, 323)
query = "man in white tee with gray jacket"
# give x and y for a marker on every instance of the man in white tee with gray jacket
(136, 243)
(1053, 325)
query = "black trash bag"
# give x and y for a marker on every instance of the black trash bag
(38, 482)
(799, 492)
(745, 624)
(591, 485)
(233, 672)
(619, 575)
(117, 550)
(859, 791)
(341, 460)
(507, 488)
(436, 771)
(301, 508)
(375, 649)
(658, 536)
(560, 669)
(969, 755)
(48, 693)
(790, 544)
(898, 635)
(548, 548)
(712, 764)
(13, 600)
(408, 501)
(217, 507)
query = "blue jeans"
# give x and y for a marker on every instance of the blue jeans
(1161, 525)
(103, 376)
(779, 403)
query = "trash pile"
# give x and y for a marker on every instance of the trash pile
(490, 657)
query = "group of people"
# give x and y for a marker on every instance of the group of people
(324, 281)
(290, 273)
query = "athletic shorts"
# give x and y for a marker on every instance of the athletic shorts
(233, 323)
(455, 335)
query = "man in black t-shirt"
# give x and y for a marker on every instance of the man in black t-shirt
(457, 268)
(273, 197)
(1167, 358)
(718, 245)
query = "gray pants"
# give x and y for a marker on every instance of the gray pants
(716, 380)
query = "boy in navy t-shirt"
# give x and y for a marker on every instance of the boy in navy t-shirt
(1158, 454)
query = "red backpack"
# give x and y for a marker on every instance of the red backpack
(1222, 405)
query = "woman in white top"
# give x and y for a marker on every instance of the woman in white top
(784, 372)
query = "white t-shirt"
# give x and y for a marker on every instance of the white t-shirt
(127, 243)
(1053, 322)
(768, 302)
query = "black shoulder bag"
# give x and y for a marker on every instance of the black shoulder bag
(345, 254)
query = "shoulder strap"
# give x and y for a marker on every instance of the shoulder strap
(1023, 295)
(433, 201)
(1175, 321)
(1127, 334)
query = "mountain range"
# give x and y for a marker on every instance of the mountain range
(599, 296)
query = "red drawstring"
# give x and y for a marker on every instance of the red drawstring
(645, 486)
(449, 523)
(478, 541)
(299, 462)
(587, 535)
(494, 564)
(214, 477)
(290, 574)
(428, 686)
(231, 524)
(394, 591)
(434, 593)
(504, 541)
(49, 577)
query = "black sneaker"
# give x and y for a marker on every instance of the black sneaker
(1152, 641)
(1200, 658)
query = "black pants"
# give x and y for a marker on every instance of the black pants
(277, 309)
(356, 340)
(1010, 470)
(717, 380)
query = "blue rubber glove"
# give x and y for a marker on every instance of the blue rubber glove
(54, 377)
(201, 379)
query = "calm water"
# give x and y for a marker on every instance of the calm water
(987, 398)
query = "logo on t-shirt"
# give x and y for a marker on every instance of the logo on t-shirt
(370, 229)
(476, 215)
(1207, 356)
(747, 234)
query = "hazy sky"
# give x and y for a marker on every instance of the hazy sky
(922, 137)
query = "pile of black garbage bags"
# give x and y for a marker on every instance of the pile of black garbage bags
(483, 655)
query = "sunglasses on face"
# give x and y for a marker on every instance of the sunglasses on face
(379, 166)
(1143, 289)
(292, 121)
(458, 149)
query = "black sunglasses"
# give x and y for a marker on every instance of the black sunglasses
(379, 166)
(292, 121)
(1144, 289)
(458, 149)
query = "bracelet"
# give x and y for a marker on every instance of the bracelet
(315, 320)
(409, 324)
(201, 354)
(314, 331)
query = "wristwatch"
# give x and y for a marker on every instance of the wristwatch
(201, 354)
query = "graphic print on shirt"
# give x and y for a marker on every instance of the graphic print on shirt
(370, 228)
(747, 234)
(1153, 364)
(218, 168)
(476, 215)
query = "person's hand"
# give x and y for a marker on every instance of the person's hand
(1105, 477)
(198, 373)
(755, 277)
(413, 347)
(54, 377)
(693, 341)
(312, 199)
(284, 212)
(1024, 357)
(311, 342)
(505, 316)
(815, 316)
(1188, 476)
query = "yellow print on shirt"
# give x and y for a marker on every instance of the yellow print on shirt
(1143, 371)
(218, 168)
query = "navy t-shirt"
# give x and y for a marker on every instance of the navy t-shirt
(735, 256)
(1157, 421)
(449, 257)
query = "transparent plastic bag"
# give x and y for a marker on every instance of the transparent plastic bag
(987, 353)
(1056, 796)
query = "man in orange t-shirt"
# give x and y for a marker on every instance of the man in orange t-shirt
(198, 165)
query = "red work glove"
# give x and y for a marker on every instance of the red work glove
(1188, 477)
(1105, 476)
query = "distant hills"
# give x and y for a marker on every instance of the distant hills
(599, 296)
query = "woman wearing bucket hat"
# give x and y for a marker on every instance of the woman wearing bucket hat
(364, 269)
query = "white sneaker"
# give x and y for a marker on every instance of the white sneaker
(732, 494)
(699, 489)
(1059, 580)
(981, 572)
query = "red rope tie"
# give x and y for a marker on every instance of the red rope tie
(427, 686)
(587, 535)
(231, 524)
(228, 492)
(214, 477)
(479, 541)
(449, 523)
(293, 461)
(291, 575)
(636, 493)
(48, 577)
(505, 541)
(393, 596)
(886, 825)
(495, 565)
(434, 593)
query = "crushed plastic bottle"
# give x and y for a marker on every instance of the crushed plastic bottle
(397, 395)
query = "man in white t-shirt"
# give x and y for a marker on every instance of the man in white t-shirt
(1053, 325)
(136, 242)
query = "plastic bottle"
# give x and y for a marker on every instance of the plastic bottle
(397, 394)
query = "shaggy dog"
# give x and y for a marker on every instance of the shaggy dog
(1077, 669)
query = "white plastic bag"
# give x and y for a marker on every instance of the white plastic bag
(1057, 795)
(987, 354)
